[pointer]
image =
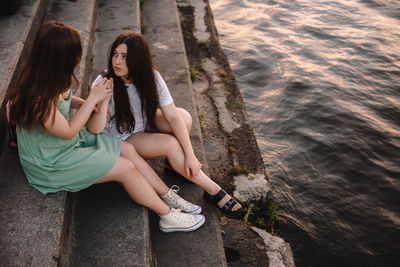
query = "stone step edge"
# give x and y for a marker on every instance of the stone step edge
(38, 13)
(87, 35)
(182, 91)
(86, 77)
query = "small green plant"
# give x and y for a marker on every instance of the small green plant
(262, 215)
(233, 186)
(272, 212)
(232, 149)
(193, 73)
(188, 34)
(127, 28)
(201, 119)
(142, 28)
(98, 30)
(235, 171)
(202, 44)
(246, 216)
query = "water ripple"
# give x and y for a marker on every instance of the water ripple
(321, 83)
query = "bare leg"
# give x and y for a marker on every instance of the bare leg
(152, 145)
(137, 187)
(129, 152)
(163, 126)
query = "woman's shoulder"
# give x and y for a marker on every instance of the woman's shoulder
(157, 74)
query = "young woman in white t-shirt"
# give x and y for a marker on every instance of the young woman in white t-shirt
(142, 112)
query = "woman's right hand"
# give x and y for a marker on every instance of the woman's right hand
(102, 90)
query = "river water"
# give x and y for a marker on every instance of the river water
(321, 82)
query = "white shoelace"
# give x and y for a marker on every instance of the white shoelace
(175, 188)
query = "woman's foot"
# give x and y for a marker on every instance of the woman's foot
(177, 221)
(172, 199)
(225, 203)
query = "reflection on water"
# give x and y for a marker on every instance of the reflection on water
(321, 82)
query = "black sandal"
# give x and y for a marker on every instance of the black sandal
(227, 207)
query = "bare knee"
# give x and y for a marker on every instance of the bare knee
(173, 145)
(187, 118)
(127, 149)
(127, 170)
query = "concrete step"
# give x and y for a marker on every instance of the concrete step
(203, 247)
(82, 16)
(17, 34)
(34, 229)
(32, 226)
(109, 228)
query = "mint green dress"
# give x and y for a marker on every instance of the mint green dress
(52, 164)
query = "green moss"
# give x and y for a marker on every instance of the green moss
(233, 186)
(235, 171)
(201, 119)
(188, 34)
(202, 44)
(194, 71)
(127, 28)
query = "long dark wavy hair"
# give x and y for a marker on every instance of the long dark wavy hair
(47, 73)
(141, 72)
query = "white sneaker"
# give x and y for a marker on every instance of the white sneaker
(172, 199)
(177, 220)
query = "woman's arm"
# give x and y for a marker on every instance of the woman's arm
(97, 120)
(64, 129)
(171, 114)
(77, 102)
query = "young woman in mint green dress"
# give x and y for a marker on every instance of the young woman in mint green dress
(55, 151)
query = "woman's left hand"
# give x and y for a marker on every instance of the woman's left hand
(192, 166)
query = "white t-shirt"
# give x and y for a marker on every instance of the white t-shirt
(140, 121)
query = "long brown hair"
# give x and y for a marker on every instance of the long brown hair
(47, 73)
(141, 72)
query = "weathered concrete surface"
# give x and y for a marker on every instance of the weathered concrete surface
(202, 247)
(31, 224)
(16, 36)
(220, 96)
(251, 187)
(114, 18)
(109, 228)
(81, 16)
(278, 251)
(35, 228)
(243, 246)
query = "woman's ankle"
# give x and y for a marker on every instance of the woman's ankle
(213, 190)
(163, 212)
